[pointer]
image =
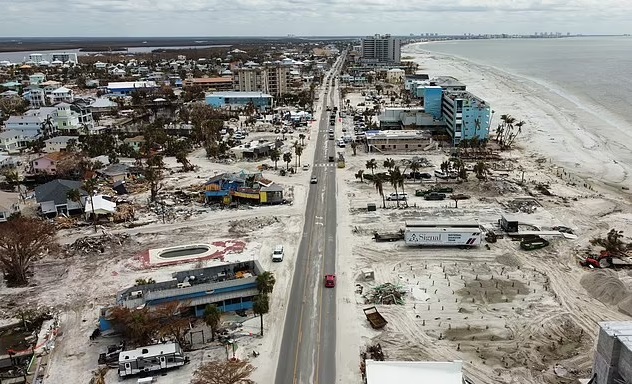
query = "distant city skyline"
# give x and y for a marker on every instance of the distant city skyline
(147, 18)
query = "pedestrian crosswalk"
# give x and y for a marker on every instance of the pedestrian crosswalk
(325, 165)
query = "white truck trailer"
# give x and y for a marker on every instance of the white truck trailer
(460, 234)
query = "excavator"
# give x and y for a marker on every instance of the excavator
(594, 261)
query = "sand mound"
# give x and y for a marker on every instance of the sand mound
(605, 286)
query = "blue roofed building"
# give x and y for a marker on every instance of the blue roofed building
(238, 100)
(228, 187)
(124, 88)
(230, 286)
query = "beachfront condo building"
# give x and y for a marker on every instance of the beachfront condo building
(466, 116)
(381, 49)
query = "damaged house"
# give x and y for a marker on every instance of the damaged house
(229, 187)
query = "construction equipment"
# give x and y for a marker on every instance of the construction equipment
(374, 317)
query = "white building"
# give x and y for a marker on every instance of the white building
(62, 95)
(100, 65)
(35, 96)
(381, 49)
(414, 372)
(65, 118)
(59, 143)
(12, 141)
(29, 126)
(37, 78)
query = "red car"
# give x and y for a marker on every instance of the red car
(330, 281)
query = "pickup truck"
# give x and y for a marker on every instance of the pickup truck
(374, 317)
(434, 196)
(420, 192)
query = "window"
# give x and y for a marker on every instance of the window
(406, 146)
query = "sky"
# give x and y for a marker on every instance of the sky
(121, 18)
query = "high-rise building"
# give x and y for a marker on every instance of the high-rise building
(270, 79)
(381, 49)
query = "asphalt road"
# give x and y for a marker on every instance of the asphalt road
(308, 348)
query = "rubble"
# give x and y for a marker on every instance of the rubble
(386, 294)
(522, 205)
(249, 225)
(97, 243)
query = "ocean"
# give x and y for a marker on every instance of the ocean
(594, 71)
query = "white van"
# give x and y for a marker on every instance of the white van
(277, 254)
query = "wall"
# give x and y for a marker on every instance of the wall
(432, 100)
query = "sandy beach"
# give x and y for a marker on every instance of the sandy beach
(585, 140)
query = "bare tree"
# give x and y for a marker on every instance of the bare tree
(22, 240)
(224, 372)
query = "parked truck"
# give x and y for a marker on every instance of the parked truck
(460, 234)
(375, 318)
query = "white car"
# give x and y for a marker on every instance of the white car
(305, 167)
(397, 196)
(341, 143)
(440, 174)
(277, 254)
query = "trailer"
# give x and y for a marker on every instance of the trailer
(375, 318)
(151, 358)
(461, 235)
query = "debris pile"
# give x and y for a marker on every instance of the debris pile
(386, 294)
(98, 243)
(65, 222)
(124, 213)
(522, 205)
(373, 352)
(249, 225)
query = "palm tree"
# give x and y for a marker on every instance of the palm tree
(379, 187)
(74, 195)
(13, 179)
(371, 164)
(389, 163)
(90, 187)
(261, 306)
(354, 145)
(275, 156)
(302, 137)
(414, 168)
(287, 158)
(298, 150)
(212, 318)
(394, 176)
(265, 282)
(482, 170)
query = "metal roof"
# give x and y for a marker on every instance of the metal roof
(236, 94)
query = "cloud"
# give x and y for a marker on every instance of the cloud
(304, 17)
